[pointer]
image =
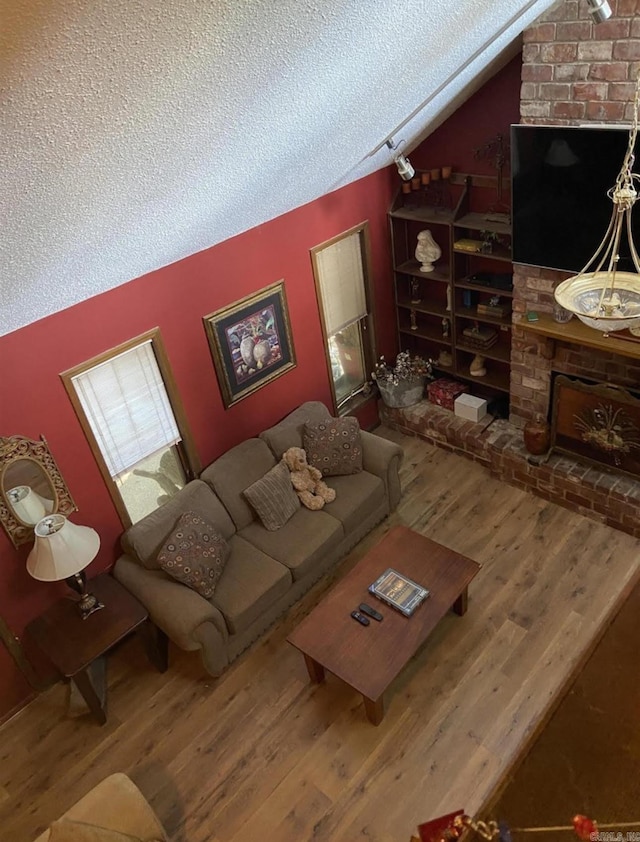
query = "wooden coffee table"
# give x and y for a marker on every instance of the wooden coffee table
(368, 658)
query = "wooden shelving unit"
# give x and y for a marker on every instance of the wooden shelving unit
(433, 309)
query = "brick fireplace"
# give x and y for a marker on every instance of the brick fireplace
(573, 72)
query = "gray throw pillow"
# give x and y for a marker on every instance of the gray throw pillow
(273, 497)
(334, 446)
(195, 554)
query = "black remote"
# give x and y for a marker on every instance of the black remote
(360, 618)
(369, 611)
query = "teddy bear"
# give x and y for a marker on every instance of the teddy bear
(307, 480)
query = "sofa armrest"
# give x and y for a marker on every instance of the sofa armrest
(383, 458)
(175, 608)
(117, 804)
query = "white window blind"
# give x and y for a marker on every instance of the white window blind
(341, 279)
(127, 407)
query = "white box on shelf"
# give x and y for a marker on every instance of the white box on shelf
(468, 406)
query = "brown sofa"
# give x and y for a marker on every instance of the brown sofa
(267, 571)
(116, 804)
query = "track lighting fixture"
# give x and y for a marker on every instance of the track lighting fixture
(405, 170)
(599, 10)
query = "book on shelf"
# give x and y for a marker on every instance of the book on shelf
(497, 310)
(398, 591)
(473, 246)
(479, 337)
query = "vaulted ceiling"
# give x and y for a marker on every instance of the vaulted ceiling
(137, 132)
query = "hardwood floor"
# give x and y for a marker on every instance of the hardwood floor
(262, 754)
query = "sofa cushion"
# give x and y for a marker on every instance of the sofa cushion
(67, 830)
(144, 539)
(273, 497)
(333, 446)
(236, 470)
(288, 432)
(357, 496)
(250, 584)
(301, 542)
(195, 554)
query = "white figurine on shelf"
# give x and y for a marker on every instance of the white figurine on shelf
(427, 251)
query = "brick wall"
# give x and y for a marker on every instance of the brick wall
(573, 71)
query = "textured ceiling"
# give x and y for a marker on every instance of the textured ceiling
(137, 132)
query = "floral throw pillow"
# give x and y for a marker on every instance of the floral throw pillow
(195, 554)
(334, 446)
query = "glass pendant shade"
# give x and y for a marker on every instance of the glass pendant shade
(601, 296)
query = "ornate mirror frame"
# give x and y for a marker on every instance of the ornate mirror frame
(13, 449)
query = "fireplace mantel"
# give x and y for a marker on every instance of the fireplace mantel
(576, 332)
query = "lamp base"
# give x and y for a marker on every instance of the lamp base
(88, 603)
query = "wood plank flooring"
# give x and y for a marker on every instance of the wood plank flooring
(262, 754)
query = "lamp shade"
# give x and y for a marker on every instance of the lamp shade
(27, 504)
(61, 549)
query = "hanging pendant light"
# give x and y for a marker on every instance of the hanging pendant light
(603, 297)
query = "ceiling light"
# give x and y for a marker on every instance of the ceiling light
(599, 10)
(601, 296)
(405, 169)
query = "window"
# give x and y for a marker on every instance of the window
(130, 412)
(342, 273)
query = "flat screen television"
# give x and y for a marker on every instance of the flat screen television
(560, 176)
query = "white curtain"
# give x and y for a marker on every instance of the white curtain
(128, 408)
(341, 279)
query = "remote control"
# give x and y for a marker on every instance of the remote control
(360, 618)
(370, 612)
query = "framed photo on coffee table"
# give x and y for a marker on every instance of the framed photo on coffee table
(251, 342)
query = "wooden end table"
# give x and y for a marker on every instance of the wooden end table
(73, 644)
(368, 658)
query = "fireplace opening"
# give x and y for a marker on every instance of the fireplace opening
(598, 422)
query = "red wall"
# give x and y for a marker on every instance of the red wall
(33, 401)
(489, 111)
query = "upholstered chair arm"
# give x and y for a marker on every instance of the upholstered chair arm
(175, 608)
(383, 458)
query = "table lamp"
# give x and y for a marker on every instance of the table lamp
(62, 550)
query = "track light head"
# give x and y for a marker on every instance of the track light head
(599, 10)
(405, 170)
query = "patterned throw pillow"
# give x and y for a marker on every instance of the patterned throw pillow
(195, 554)
(334, 446)
(273, 497)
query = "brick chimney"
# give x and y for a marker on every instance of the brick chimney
(573, 72)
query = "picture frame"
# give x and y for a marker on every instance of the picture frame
(250, 342)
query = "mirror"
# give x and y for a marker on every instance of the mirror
(31, 487)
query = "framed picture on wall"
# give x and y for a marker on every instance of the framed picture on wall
(251, 342)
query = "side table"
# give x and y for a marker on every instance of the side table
(73, 644)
